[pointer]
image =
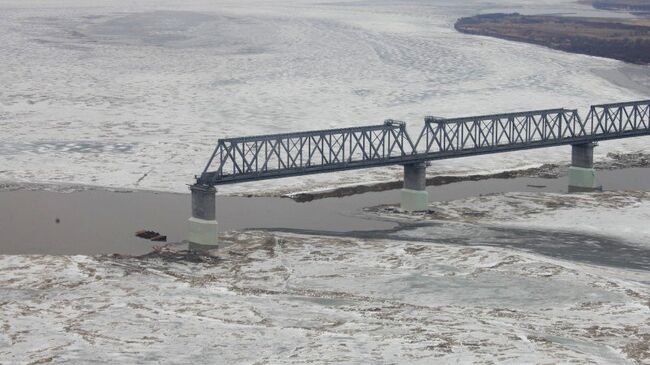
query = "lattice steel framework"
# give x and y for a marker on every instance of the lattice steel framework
(610, 121)
(490, 133)
(291, 154)
(280, 155)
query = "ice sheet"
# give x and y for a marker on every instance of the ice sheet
(134, 95)
(295, 299)
(623, 215)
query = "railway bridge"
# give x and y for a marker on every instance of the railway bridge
(274, 156)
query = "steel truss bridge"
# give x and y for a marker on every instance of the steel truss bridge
(292, 154)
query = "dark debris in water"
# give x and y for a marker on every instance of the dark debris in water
(624, 160)
(151, 235)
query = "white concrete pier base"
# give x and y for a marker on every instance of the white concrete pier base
(203, 229)
(415, 197)
(415, 200)
(583, 179)
(202, 234)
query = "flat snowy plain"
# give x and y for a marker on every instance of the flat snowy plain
(134, 95)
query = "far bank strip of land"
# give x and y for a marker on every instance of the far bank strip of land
(621, 39)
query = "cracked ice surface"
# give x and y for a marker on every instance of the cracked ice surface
(620, 214)
(134, 95)
(296, 299)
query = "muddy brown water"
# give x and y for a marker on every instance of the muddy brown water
(97, 221)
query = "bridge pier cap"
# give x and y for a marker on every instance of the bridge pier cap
(582, 175)
(414, 195)
(203, 228)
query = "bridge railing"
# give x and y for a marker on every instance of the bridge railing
(269, 156)
(619, 118)
(487, 132)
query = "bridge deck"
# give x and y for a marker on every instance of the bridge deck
(301, 153)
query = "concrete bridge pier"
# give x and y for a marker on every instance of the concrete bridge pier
(414, 194)
(582, 176)
(203, 223)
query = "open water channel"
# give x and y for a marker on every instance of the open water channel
(99, 221)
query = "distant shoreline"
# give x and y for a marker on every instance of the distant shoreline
(625, 40)
(637, 7)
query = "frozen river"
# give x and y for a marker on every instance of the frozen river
(126, 94)
(133, 95)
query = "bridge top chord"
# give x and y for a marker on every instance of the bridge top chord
(431, 119)
(622, 104)
(388, 123)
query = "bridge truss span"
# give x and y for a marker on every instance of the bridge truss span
(608, 121)
(281, 155)
(496, 132)
(291, 154)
